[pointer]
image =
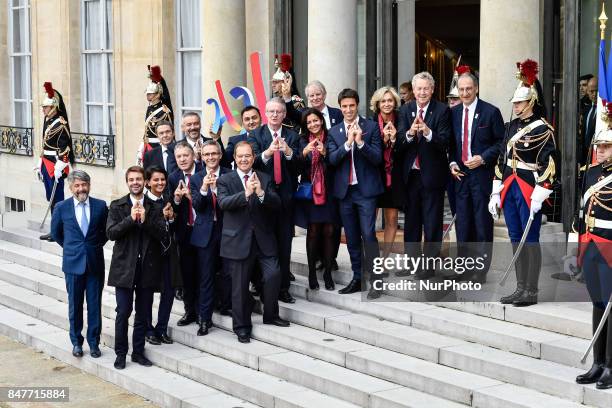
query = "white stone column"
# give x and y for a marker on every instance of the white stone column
(509, 33)
(332, 45)
(223, 54)
(405, 40)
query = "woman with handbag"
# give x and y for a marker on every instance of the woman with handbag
(316, 208)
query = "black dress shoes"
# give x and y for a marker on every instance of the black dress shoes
(277, 321)
(178, 294)
(204, 326)
(46, 237)
(95, 352)
(141, 359)
(77, 351)
(528, 298)
(605, 381)
(244, 337)
(120, 362)
(353, 286)
(285, 296)
(329, 282)
(166, 339)
(156, 341)
(592, 375)
(187, 318)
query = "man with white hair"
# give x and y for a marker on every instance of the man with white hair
(315, 94)
(423, 133)
(79, 226)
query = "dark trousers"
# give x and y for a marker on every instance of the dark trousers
(598, 278)
(451, 193)
(189, 271)
(242, 300)
(358, 215)
(284, 238)
(207, 259)
(80, 287)
(48, 181)
(125, 303)
(424, 212)
(224, 288)
(474, 224)
(166, 300)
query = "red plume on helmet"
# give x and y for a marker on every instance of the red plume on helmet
(462, 69)
(155, 73)
(285, 62)
(49, 90)
(528, 71)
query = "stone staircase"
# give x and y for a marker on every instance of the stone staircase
(340, 350)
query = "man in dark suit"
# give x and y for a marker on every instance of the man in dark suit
(251, 120)
(79, 225)
(589, 119)
(478, 130)
(163, 155)
(355, 149)
(274, 146)
(179, 183)
(137, 227)
(206, 234)
(249, 205)
(191, 126)
(423, 133)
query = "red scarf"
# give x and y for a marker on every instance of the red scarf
(317, 175)
(388, 152)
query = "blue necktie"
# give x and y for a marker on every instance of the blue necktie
(84, 222)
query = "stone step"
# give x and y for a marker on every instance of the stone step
(162, 387)
(241, 381)
(406, 339)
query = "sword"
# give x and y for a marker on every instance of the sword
(518, 250)
(602, 323)
(449, 227)
(50, 204)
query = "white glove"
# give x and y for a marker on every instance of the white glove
(494, 205)
(37, 170)
(537, 198)
(59, 169)
(536, 206)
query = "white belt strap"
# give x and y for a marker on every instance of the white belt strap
(523, 131)
(523, 166)
(595, 188)
(603, 224)
(155, 112)
(49, 152)
(153, 140)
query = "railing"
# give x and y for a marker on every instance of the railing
(16, 140)
(94, 149)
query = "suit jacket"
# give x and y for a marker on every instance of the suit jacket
(486, 135)
(181, 210)
(204, 225)
(587, 131)
(367, 159)
(260, 139)
(80, 252)
(155, 157)
(245, 220)
(127, 233)
(228, 156)
(433, 158)
(335, 114)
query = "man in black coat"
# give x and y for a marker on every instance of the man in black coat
(249, 205)
(137, 227)
(423, 133)
(163, 155)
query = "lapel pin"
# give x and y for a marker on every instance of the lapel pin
(413, 114)
(476, 116)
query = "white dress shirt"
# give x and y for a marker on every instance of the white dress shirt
(134, 201)
(203, 191)
(427, 137)
(325, 113)
(279, 135)
(165, 156)
(187, 180)
(241, 174)
(471, 111)
(350, 149)
(78, 211)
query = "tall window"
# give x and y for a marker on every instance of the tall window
(20, 56)
(97, 66)
(189, 57)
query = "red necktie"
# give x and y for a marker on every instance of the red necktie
(350, 153)
(190, 219)
(278, 176)
(417, 162)
(246, 179)
(466, 133)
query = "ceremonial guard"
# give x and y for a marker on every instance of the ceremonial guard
(159, 109)
(595, 256)
(57, 152)
(283, 86)
(523, 180)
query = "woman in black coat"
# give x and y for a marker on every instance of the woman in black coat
(384, 103)
(319, 213)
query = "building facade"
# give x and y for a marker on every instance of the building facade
(96, 52)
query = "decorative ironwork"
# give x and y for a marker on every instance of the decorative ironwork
(94, 149)
(16, 140)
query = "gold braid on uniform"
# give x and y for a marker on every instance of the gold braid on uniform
(50, 133)
(152, 123)
(535, 142)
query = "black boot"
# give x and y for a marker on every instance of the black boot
(521, 278)
(528, 298)
(599, 351)
(312, 255)
(534, 264)
(327, 277)
(591, 376)
(520, 289)
(605, 380)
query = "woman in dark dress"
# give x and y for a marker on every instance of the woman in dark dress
(384, 103)
(318, 214)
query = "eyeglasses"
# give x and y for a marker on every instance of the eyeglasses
(210, 154)
(275, 112)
